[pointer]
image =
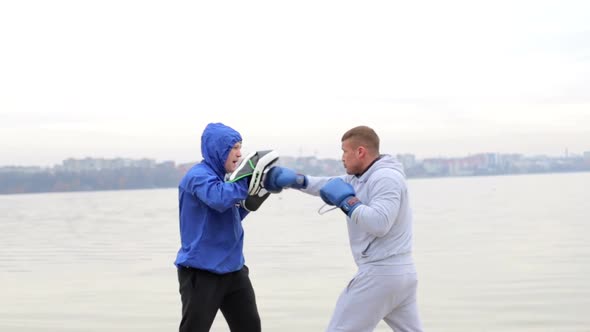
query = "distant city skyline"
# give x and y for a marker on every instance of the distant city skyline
(433, 79)
(118, 174)
(148, 159)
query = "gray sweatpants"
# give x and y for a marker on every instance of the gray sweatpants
(369, 298)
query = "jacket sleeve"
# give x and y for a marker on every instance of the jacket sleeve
(218, 194)
(378, 215)
(243, 213)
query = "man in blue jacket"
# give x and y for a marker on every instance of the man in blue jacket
(210, 262)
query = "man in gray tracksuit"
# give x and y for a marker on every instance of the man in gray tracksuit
(374, 196)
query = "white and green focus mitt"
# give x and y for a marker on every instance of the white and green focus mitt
(254, 166)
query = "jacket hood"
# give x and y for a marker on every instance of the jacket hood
(384, 161)
(216, 143)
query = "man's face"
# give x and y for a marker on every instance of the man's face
(233, 158)
(350, 157)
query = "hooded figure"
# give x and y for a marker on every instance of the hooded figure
(211, 230)
(210, 261)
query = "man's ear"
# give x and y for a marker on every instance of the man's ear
(361, 151)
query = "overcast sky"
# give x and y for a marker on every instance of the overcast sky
(439, 78)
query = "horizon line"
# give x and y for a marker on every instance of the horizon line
(567, 154)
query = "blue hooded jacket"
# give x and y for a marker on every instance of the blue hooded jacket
(211, 233)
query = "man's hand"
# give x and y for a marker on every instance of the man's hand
(341, 194)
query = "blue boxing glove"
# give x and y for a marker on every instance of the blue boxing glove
(278, 178)
(341, 194)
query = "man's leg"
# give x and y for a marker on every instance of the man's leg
(360, 307)
(201, 293)
(405, 318)
(370, 298)
(239, 305)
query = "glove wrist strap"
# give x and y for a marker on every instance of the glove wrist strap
(349, 204)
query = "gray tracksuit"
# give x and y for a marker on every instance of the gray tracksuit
(380, 235)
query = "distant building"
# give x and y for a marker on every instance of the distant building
(167, 164)
(408, 160)
(481, 163)
(145, 163)
(436, 166)
(97, 164)
(22, 169)
(506, 162)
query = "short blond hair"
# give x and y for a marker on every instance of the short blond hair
(363, 136)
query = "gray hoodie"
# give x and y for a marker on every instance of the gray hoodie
(380, 230)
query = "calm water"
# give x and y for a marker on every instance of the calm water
(508, 253)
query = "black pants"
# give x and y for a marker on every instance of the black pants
(203, 293)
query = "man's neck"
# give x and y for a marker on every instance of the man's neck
(369, 164)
